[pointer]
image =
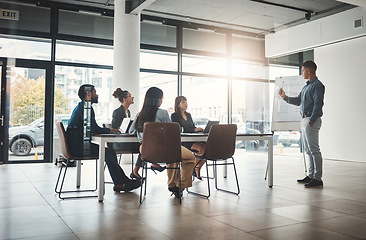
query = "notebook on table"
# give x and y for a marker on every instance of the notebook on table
(209, 125)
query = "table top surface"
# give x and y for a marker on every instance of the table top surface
(182, 134)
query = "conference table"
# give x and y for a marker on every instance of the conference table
(103, 139)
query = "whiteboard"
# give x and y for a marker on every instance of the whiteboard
(286, 117)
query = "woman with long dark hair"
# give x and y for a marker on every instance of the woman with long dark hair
(151, 112)
(185, 120)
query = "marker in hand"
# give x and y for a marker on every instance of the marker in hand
(282, 92)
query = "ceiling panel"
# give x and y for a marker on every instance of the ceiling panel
(246, 15)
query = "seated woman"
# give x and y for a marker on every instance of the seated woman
(122, 112)
(118, 115)
(151, 112)
(184, 119)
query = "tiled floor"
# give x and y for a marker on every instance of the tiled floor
(29, 208)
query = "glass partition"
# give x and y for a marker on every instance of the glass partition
(207, 98)
(282, 71)
(251, 111)
(155, 33)
(204, 40)
(166, 82)
(248, 48)
(204, 65)
(158, 60)
(249, 69)
(67, 83)
(84, 53)
(86, 24)
(28, 48)
(26, 114)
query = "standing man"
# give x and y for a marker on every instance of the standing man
(311, 101)
(75, 132)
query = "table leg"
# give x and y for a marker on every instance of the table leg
(78, 174)
(270, 162)
(225, 170)
(101, 171)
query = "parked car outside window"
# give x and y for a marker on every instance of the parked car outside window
(200, 122)
(288, 138)
(23, 138)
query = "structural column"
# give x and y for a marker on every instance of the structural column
(126, 64)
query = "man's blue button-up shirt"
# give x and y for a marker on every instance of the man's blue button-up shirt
(310, 99)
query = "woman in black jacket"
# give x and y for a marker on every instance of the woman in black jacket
(184, 119)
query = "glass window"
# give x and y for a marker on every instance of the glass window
(204, 40)
(292, 60)
(31, 18)
(28, 48)
(67, 83)
(26, 113)
(86, 24)
(308, 55)
(84, 53)
(205, 65)
(166, 82)
(282, 71)
(158, 60)
(249, 69)
(155, 33)
(246, 47)
(207, 98)
(251, 111)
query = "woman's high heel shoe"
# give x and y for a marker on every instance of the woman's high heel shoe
(176, 192)
(133, 176)
(160, 169)
(195, 174)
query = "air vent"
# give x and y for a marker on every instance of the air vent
(358, 23)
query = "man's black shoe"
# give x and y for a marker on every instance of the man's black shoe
(131, 185)
(304, 180)
(315, 183)
(126, 187)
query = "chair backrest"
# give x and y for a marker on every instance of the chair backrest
(221, 142)
(63, 140)
(161, 142)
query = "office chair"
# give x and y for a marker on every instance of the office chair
(65, 152)
(160, 144)
(220, 147)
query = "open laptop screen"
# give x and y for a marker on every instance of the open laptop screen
(209, 125)
(126, 123)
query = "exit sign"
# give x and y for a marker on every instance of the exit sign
(9, 14)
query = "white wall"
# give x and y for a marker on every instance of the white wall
(316, 33)
(341, 68)
(340, 53)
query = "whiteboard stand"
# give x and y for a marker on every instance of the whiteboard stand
(303, 154)
(286, 117)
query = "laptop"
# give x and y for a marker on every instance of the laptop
(209, 125)
(126, 124)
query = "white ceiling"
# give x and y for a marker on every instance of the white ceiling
(244, 15)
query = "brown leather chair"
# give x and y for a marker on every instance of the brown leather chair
(67, 158)
(219, 148)
(160, 144)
